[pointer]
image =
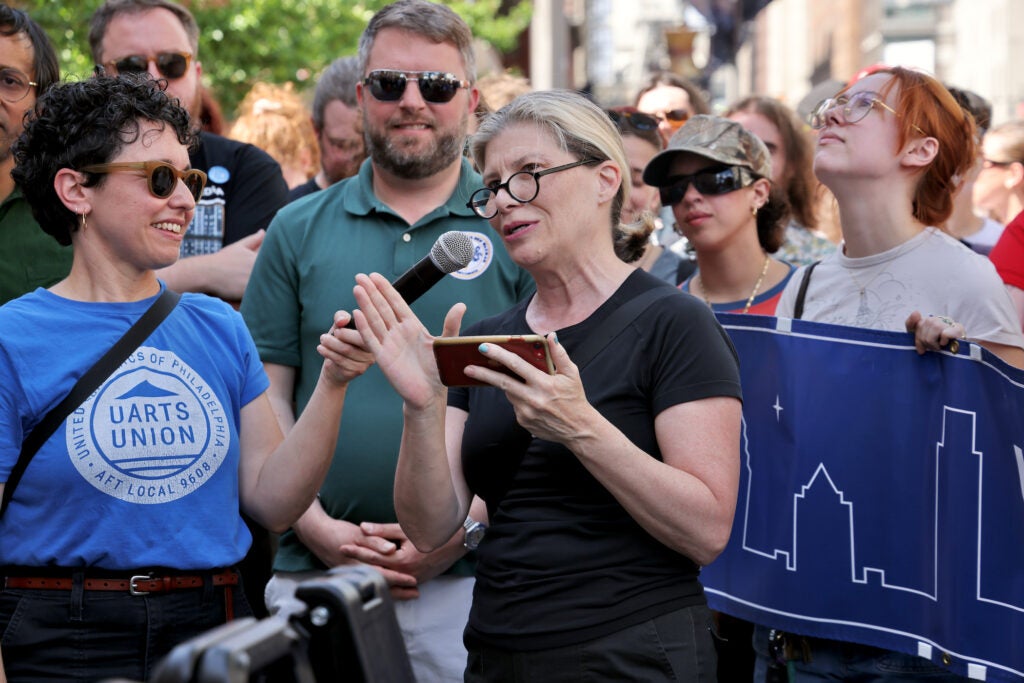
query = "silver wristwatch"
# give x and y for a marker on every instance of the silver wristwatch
(474, 533)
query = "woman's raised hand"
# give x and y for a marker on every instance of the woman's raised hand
(401, 345)
(345, 356)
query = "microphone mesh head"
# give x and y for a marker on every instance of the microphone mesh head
(452, 251)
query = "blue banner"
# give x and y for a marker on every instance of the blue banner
(881, 495)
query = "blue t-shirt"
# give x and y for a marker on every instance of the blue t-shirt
(145, 472)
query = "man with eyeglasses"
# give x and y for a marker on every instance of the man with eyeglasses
(245, 187)
(29, 258)
(416, 95)
(338, 126)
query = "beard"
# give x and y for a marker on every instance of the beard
(339, 171)
(408, 162)
(6, 142)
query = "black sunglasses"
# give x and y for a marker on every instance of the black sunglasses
(169, 64)
(632, 119)
(161, 177)
(707, 182)
(436, 87)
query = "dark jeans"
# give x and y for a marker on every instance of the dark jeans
(735, 649)
(834, 660)
(677, 646)
(84, 636)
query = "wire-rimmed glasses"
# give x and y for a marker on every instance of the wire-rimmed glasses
(853, 109)
(14, 85)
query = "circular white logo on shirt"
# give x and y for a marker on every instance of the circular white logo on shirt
(218, 174)
(483, 254)
(152, 433)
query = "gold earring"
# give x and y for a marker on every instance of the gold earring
(753, 211)
(81, 221)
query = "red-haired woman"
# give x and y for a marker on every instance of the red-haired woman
(891, 147)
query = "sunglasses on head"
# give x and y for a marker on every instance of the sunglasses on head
(161, 177)
(169, 64)
(436, 87)
(673, 117)
(632, 119)
(707, 182)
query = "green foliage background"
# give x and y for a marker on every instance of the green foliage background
(242, 41)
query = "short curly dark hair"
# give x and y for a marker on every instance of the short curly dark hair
(85, 122)
(771, 220)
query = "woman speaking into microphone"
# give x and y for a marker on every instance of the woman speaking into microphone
(608, 483)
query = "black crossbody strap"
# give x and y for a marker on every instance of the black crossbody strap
(88, 383)
(614, 324)
(801, 294)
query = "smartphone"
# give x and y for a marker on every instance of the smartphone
(453, 354)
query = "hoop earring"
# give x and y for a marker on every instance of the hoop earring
(753, 211)
(81, 221)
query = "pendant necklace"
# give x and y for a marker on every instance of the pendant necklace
(753, 294)
(863, 311)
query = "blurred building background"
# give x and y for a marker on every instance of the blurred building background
(783, 48)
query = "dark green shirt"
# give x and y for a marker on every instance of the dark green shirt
(29, 258)
(305, 272)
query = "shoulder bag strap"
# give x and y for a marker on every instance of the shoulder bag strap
(87, 384)
(801, 294)
(609, 328)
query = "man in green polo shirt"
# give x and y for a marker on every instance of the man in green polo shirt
(416, 97)
(29, 258)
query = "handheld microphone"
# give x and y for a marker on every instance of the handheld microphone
(451, 252)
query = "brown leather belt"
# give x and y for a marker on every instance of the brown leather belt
(141, 584)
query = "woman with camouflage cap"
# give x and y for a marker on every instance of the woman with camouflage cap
(716, 176)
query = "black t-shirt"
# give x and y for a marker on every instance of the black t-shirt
(244, 189)
(562, 561)
(306, 188)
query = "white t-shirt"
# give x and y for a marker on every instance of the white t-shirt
(932, 273)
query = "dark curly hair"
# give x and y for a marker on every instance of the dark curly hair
(771, 220)
(79, 123)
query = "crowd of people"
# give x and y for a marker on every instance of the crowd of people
(291, 390)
